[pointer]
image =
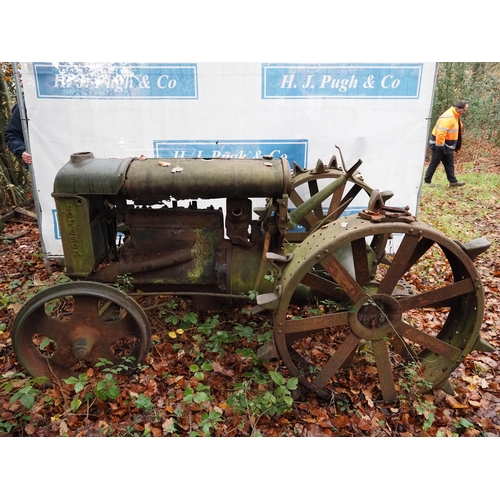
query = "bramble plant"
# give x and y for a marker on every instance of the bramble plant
(413, 385)
(107, 388)
(200, 395)
(143, 402)
(271, 402)
(27, 393)
(209, 421)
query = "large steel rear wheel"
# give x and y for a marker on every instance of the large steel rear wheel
(71, 326)
(422, 305)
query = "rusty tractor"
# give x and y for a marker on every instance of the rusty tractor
(369, 271)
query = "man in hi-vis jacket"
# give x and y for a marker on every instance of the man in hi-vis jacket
(445, 141)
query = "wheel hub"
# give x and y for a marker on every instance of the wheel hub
(375, 318)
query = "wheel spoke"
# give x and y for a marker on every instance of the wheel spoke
(313, 189)
(352, 193)
(299, 328)
(440, 297)
(62, 358)
(335, 202)
(116, 330)
(400, 346)
(343, 278)
(47, 326)
(378, 244)
(296, 199)
(422, 246)
(85, 309)
(399, 263)
(310, 219)
(428, 342)
(336, 361)
(360, 257)
(323, 285)
(384, 368)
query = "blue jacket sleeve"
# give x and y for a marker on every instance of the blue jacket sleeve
(14, 134)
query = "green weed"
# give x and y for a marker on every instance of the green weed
(275, 401)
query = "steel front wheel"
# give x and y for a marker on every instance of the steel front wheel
(422, 304)
(306, 183)
(71, 326)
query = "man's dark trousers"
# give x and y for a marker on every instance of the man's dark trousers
(439, 155)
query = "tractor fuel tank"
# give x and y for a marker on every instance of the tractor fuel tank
(153, 179)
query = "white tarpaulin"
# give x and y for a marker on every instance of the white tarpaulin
(378, 113)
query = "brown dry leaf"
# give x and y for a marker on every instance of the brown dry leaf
(325, 423)
(494, 385)
(164, 164)
(454, 403)
(167, 425)
(340, 421)
(314, 431)
(368, 395)
(309, 420)
(177, 169)
(15, 308)
(471, 432)
(63, 428)
(217, 367)
(30, 429)
(365, 423)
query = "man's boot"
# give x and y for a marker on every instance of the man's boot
(457, 184)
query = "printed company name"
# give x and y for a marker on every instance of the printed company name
(289, 81)
(119, 83)
(200, 153)
(341, 84)
(295, 150)
(109, 80)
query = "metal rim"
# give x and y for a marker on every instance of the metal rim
(70, 326)
(369, 305)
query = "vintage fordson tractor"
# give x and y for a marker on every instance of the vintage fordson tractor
(378, 275)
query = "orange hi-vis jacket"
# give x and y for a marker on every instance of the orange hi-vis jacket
(448, 131)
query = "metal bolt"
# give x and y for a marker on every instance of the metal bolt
(81, 347)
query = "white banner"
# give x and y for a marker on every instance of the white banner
(378, 113)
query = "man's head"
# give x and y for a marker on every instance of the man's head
(461, 107)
